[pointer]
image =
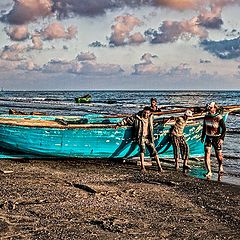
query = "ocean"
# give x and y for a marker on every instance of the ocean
(128, 102)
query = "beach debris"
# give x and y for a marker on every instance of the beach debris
(168, 183)
(10, 205)
(112, 224)
(82, 187)
(32, 202)
(1, 204)
(6, 171)
(3, 226)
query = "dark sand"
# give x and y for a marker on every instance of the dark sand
(44, 199)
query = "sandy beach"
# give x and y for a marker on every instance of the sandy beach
(77, 199)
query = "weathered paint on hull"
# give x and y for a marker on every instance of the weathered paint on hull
(91, 142)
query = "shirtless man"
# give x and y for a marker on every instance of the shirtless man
(178, 140)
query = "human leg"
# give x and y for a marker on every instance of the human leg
(143, 169)
(218, 151)
(184, 148)
(208, 162)
(153, 153)
(142, 152)
(207, 148)
(176, 151)
(158, 163)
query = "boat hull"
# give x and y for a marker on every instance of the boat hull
(92, 142)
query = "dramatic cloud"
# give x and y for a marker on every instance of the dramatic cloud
(225, 49)
(171, 31)
(28, 65)
(97, 44)
(147, 67)
(211, 19)
(182, 69)
(99, 7)
(17, 33)
(12, 53)
(24, 11)
(146, 57)
(37, 42)
(56, 66)
(180, 5)
(56, 30)
(89, 68)
(204, 61)
(121, 30)
(85, 56)
(6, 65)
(136, 38)
(84, 63)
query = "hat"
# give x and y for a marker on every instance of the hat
(188, 113)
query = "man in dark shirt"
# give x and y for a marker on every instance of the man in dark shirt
(154, 107)
(142, 123)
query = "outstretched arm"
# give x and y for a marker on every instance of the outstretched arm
(128, 121)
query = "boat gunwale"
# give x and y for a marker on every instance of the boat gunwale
(39, 123)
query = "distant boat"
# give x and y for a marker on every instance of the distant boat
(84, 99)
(89, 137)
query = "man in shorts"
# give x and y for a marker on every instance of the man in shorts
(214, 130)
(142, 123)
(179, 142)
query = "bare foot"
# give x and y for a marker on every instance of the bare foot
(221, 171)
(143, 170)
(186, 167)
(176, 167)
(208, 175)
(220, 176)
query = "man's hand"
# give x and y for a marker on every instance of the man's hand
(117, 125)
(220, 142)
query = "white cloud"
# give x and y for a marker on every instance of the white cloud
(17, 33)
(56, 30)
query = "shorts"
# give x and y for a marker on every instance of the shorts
(150, 146)
(180, 146)
(213, 141)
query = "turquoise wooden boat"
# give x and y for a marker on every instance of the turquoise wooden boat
(89, 137)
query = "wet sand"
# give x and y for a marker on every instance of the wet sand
(44, 199)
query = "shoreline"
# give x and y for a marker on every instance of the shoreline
(49, 199)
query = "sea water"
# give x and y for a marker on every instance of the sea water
(128, 102)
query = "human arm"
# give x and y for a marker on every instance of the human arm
(223, 127)
(128, 121)
(203, 131)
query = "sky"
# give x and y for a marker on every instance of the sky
(119, 44)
